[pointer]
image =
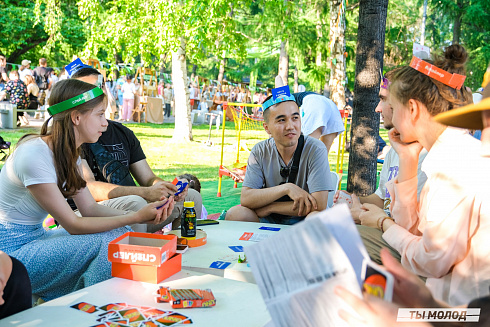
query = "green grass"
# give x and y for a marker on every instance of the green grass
(169, 159)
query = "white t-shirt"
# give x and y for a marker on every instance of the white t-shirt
(318, 111)
(128, 90)
(53, 79)
(24, 73)
(390, 171)
(192, 93)
(30, 164)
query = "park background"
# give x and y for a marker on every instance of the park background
(324, 45)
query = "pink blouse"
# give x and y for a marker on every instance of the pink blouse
(446, 235)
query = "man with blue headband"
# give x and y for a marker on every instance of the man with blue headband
(287, 175)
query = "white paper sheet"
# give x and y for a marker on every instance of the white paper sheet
(297, 270)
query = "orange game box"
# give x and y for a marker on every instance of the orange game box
(148, 274)
(186, 298)
(144, 257)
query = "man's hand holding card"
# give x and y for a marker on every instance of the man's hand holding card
(182, 188)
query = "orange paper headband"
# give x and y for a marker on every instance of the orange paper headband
(453, 80)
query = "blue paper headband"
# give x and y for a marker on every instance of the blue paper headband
(280, 94)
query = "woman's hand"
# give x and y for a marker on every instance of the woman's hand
(408, 289)
(371, 215)
(156, 212)
(404, 150)
(372, 311)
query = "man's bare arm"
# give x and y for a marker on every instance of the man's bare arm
(102, 191)
(287, 208)
(258, 198)
(373, 199)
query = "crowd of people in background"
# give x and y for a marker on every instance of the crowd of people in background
(29, 88)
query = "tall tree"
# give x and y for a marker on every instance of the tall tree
(365, 122)
(183, 125)
(151, 28)
(337, 50)
(23, 37)
(284, 62)
(221, 73)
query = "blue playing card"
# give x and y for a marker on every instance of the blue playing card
(181, 185)
(219, 264)
(237, 248)
(274, 229)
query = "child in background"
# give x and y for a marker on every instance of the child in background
(195, 184)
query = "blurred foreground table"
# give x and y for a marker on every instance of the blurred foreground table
(237, 303)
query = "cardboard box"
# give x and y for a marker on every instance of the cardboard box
(148, 274)
(142, 248)
(186, 298)
(144, 257)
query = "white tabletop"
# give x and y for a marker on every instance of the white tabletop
(220, 237)
(237, 303)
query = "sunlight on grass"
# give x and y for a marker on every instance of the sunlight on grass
(169, 159)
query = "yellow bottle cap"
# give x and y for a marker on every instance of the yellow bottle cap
(189, 204)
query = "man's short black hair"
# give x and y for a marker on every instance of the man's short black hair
(85, 71)
(267, 112)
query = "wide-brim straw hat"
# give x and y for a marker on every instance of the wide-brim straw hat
(469, 116)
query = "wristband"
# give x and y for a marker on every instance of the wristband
(382, 222)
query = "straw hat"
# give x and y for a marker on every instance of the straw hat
(468, 116)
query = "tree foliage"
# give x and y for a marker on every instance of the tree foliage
(22, 36)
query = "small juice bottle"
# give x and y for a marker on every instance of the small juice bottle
(188, 223)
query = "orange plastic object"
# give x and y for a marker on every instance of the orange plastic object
(200, 240)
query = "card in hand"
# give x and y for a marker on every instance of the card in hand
(377, 280)
(180, 185)
(344, 198)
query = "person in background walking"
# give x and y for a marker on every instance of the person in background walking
(128, 90)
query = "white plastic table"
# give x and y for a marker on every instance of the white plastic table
(220, 237)
(237, 303)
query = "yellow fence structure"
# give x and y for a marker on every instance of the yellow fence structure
(247, 117)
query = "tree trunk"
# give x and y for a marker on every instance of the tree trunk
(365, 122)
(28, 45)
(222, 64)
(337, 49)
(319, 48)
(296, 84)
(457, 22)
(284, 63)
(183, 126)
(424, 19)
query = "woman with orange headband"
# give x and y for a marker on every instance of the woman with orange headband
(443, 236)
(37, 179)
